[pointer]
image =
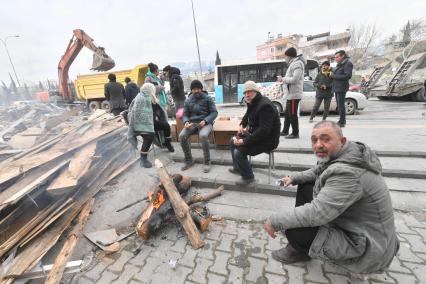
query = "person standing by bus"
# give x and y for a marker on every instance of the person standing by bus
(294, 83)
(323, 82)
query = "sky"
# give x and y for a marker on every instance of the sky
(162, 31)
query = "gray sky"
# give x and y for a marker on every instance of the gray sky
(162, 31)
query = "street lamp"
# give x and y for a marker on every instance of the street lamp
(196, 38)
(4, 41)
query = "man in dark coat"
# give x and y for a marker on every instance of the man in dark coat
(323, 82)
(114, 93)
(176, 86)
(341, 76)
(130, 91)
(259, 133)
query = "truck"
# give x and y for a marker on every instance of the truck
(408, 82)
(90, 88)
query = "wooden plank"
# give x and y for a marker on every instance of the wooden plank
(181, 209)
(16, 123)
(59, 265)
(25, 139)
(203, 198)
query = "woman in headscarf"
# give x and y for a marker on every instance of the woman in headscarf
(152, 76)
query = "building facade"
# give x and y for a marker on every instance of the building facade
(274, 48)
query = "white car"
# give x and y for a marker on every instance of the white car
(354, 101)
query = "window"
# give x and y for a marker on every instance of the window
(308, 87)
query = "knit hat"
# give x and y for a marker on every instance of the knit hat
(291, 51)
(149, 89)
(196, 84)
(251, 86)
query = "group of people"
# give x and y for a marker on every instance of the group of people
(343, 212)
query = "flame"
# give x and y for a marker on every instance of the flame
(158, 200)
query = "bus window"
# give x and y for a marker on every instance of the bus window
(247, 73)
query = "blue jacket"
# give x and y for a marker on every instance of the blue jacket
(342, 75)
(198, 108)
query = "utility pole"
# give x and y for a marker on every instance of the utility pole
(4, 41)
(196, 38)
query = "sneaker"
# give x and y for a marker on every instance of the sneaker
(289, 255)
(283, 133)
(292, 136)
(187, 165)
(246, 182)
(233, 171)
(207, 166)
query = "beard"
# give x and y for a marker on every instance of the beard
(323, 160)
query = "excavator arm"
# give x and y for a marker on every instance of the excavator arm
(101, 61)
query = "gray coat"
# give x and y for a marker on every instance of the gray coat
(294, 77)
(352, 208)
(114, 93)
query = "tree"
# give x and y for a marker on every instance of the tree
(417, 33)
(406, 34)
(218, 61)
(362, 41)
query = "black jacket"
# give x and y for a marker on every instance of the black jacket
(131, 91)
(342, 75)
(198, 108)
(264, 127)
(176, 84)
(323, 80)
(114, 93)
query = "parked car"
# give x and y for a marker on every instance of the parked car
(354, 101)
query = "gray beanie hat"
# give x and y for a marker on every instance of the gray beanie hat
(251, 86)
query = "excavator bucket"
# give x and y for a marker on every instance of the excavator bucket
(101, 60)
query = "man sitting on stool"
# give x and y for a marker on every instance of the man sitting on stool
(259, 132)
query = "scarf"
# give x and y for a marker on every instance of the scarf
(162, 95)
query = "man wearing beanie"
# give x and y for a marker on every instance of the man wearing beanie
(293, 80)
(198, 117)
(259, 133)
(176, 85)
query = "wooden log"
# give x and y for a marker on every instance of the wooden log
(59, 265)
(180, 207)
(203, 198)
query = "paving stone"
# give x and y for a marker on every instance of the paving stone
(255, 269)
(275, 279)
(179, 245)
(403, 278)
(411, 221)
(225, 243)
(295, 274)
(220, 263)
(165, 274)
(207, 250)
(148, 269)
(188, 259)
(274, 266)
(401, 226)
(107, 277)
(172, 233)
(139, 259)
(419, 270)
(127, 274)
(215, 279)
(383, 277)
(82, 280)
(422, 256)
(200, 271)
(258, 248)
(243, 235)
(214, 231)
(235, 274)
(405, 254)
(133, 281)
(416, 243)
(230, 227)
(421, 232)
(337, 278)
(118, 265)
(274, 244)
(330, 267)
(315, 271)
(96, 271)
(397, 267)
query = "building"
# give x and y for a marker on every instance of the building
(274, 48)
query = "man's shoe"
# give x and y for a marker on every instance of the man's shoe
(187, 165)
(311, 120)
(341, 124)
(283, 133)
(292, 136)
(169, 145)
(289, 255)
(246, 182)
(233, 171)
(207, 166)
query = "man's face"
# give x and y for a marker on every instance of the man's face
(338, 58)
(196, 91)
(325, 68)
(249, 96)
(326, 143)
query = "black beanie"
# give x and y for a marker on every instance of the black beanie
(196, 84)
(291, 51)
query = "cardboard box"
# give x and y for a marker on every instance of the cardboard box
(224, 130)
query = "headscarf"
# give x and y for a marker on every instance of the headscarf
(149, 90)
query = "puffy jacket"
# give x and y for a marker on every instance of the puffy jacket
(342, 75)
(352, 208)
(198, 108)
(323, 80)
(176, 84)
(294, 77)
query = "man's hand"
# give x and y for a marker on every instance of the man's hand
(241, 130)
(187, 125)
(238, 142)
(202, 124)
(286, 181)
(269, 229)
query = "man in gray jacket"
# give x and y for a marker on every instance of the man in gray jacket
(343, 210)
(293, 81)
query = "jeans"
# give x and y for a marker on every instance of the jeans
(240, 162)
(203, 133)
(301, 238)
(340, 99)
(291, 118)
(318, 101)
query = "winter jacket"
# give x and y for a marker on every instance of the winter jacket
(342, 75)
(352, 208)
(198, 108)
(264, 126)
(176, 84)
(294, 77)
(114, 93)
(323, 80)
(131, 91)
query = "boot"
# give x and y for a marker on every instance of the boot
(169, 145)
(207, 166)
(144, 161)
(187, 165)
(289, 255)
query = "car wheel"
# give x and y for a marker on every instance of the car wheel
(350, 106)
(243, 102)
(278, 107)
(418, 96)
(94, 105)
(105, 105)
